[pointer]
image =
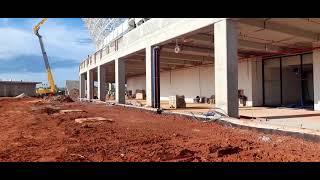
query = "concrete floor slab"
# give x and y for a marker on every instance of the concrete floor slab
(283, 117)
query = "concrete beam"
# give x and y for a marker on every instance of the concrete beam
(277, 27)
(175, 56)
(120, 81)
(226, 67)
(168, 61)
(259, 46)
(207, 39)
(189, 50)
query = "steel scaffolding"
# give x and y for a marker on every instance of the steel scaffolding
(99, 28)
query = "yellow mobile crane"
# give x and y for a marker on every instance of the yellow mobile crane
(52, 89)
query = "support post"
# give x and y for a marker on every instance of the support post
(102, 83)
(120, 81)
(89, 85)
(316, 78)
(82, 86)
(153, 76)
(148, 76)
(226, 67)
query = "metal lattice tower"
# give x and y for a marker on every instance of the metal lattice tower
(99, 28)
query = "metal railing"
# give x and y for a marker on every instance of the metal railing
(111, 41)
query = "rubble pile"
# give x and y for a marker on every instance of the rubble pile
(74, 94)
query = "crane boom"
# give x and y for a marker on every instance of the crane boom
(45, 57)
(37, 26)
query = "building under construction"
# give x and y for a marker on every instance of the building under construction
(15, 88)
(267, 61)
(228, 89)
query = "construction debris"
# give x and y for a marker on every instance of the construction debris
(92, 119)
(110, 103)
(60, 99)
(71, 110)
(110, 97)
(74, 94)
(140, 94)
(134, 103)
(22, 96)
(211, 100)
(265, 138)
(48, 109)
(177, 102)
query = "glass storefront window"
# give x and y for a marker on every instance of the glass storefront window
(288, 81)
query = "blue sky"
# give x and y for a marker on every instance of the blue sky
(66, 40)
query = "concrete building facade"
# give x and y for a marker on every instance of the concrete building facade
(274, 61)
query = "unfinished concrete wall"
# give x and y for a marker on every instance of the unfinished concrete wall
(272, 82)
(291, 82)
(10, 90)
(308, 80)
(250, 80)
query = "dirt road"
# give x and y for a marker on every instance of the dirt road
(35, 130)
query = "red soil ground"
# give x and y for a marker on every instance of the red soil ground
(34, 130)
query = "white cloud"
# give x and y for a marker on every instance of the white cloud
(5, 21)
(60, 40)
(59, 75)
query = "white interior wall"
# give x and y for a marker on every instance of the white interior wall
(199, 81)
(190, 82)
(136, 82)
(245, 79)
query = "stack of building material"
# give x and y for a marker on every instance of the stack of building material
(140, 94)
(129, 94)
(74, 94)
(196, 100)
(110, 97)
(203, 100)
(177, 102)
(242, 98)
(211, 100)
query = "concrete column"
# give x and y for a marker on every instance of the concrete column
(82, 86)
(120, 81)
(149, 76)
(226, 67)
(102, 83)
(316, 79)
(153, 76)
(89, 85)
